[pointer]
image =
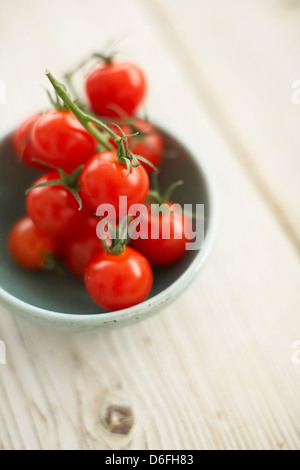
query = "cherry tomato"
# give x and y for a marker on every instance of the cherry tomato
(29, 246)
(54, 209)
(149, 144)
(22, 142)
(166, 248)
(103, 180)
(60, 140)
(116, 282)
(119, 85)
(79, 249)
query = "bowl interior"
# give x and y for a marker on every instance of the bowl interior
(64, 293)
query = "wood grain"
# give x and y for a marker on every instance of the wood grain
(214, 370)
(241, 59)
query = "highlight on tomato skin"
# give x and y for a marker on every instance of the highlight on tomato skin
(115, 86)
(29, 245)
(118, 281)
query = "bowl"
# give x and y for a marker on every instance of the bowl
(63, 303)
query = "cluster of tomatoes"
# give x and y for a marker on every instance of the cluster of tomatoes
(86, 163)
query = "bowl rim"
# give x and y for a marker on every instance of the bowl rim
(32, 312)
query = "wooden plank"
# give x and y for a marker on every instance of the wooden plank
(212, 371)
(242, 59)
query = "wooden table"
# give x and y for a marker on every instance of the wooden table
(217, 369)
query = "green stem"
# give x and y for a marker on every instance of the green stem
(50, 263)
(105, 128)
(123, 154)
(69, 82)
(96, 55)
(155, 194)
(68, 77)
(85, 119)
(70, 182)
(167, 194)
(122, 238)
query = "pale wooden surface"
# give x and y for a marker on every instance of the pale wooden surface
(214, 370)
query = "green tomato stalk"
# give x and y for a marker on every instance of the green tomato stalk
(91, 124)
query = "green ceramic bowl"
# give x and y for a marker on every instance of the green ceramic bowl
(63, 302)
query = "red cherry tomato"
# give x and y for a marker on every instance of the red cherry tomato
(103, 180)
(79, 249)
(116, 282)
(119, 85)
(149, 144)
(22, 142)
(28, 245)
(54, 209)
(166, 248)
(60, 140)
